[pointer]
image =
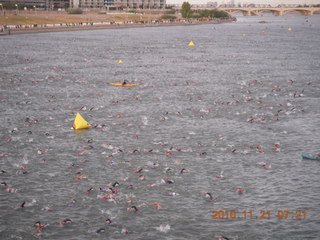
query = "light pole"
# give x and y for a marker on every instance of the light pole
(2, 9)
(17, 8)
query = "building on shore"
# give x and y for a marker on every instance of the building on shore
(143, 4)
(89, 4)
(212, 4)
(116, 4)
(42, 4)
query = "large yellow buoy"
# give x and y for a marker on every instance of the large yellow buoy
(120, 61)
(191, 44)
(80, 123)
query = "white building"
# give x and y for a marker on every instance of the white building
(143, 4)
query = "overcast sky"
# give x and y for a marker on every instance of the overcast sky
(272, 2)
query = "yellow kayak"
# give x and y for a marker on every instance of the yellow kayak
(123, 85)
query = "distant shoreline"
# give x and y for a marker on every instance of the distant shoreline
(80, 27)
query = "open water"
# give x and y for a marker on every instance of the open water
(246, 94)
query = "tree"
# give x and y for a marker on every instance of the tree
(186, 10)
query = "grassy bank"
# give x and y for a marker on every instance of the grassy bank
(57, 18)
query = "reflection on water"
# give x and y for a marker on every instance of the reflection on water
(202, 119)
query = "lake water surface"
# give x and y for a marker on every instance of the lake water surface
(246, 94)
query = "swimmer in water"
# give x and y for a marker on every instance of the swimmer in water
(73, 165)
(89, 190)
(133, 209)
(47, 209)
(39, 224)
(116, 184)
(221, 237)
(73, 203)
(156, 204)
(139, 171)
(169, 181)
(124, 231)
(209, 196)
(115, 191)
(22, 205)
(66, 222)
(169, 170)
(221, 175)
(154, 165)
(22, 173)
(183, 170)
(266, 166)
(108, 221)
(130, 186)
(100, 230)
(142, 177)
(240, 190)
(173, 194)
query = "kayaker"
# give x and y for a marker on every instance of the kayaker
(124, 82)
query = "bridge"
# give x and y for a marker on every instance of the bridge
(247, 11)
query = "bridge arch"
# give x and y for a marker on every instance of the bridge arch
(305, 12)
(243, 11)
(276, 11)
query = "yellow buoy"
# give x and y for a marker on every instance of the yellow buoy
(289, 29)
(191, 44)
(120, 61)
(80, 123)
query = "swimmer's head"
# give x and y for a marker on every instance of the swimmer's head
(142, 177)
(4, 184)
(133, 209)
(124, 231)
(115, 184)
(38, 224)
(169, 170)
(100, 230)
(208, 194)
(22, 205)
(108, 221)
(183, 170)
